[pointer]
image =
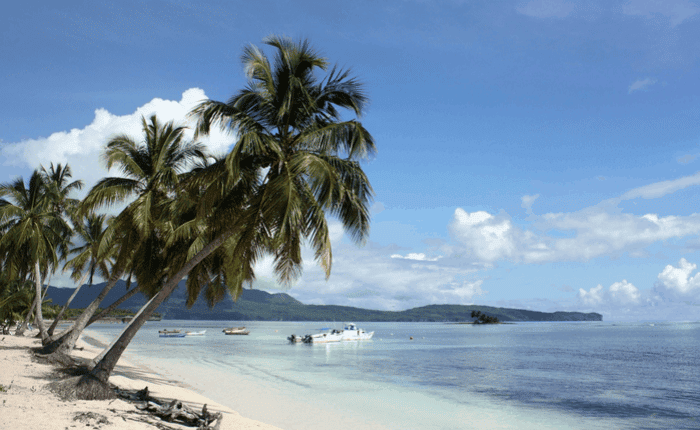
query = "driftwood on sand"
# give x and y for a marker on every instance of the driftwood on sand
(175, 411)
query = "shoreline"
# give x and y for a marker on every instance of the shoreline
(27, 404)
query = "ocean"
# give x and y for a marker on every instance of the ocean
(553, 375)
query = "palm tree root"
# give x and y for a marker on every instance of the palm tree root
(85, 387)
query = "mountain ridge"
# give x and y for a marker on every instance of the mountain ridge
(258, 305)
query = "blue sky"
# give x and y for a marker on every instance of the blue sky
(540, 154)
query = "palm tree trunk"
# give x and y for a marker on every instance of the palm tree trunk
(70, 299)
(132, 292)
(60, 336)
(111, 345)
(80, 323)
(109, 358)
(39, 316)
(23, 326)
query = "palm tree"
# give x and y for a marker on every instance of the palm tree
(295, 161)
(151, 170)
(58, 186)
(31, 232)
(16, 300)
(90, 233)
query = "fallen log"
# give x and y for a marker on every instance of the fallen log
(175, 411)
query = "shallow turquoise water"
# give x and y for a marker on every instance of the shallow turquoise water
(524, 375)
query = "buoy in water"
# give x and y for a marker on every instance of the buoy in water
(411, 337)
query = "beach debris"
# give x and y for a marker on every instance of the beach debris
(91, 419)
(175, 411)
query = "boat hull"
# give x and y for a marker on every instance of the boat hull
(195, 333)
(349, 333)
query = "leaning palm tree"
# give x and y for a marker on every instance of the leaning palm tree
(151, 170)
(295, 162)
(85, 263)
(31, 232)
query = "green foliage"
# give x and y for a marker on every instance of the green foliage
(296, 161)
(483, 318)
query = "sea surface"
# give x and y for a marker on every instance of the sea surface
(554, 375)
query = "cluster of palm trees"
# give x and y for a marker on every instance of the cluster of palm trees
(188, 213)
(483, 318)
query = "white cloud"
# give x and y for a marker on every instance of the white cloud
(527, 202)
(81, 148)
(546, 8)
(592, 297)
(675, 11)
(624, 293)
(484, 236)
(660, 189)
(595, 231)
(369, 277)
(641, 85)
(619, 294)
(415, 256)
(676, 282)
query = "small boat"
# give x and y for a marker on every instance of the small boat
(171, 334)
(195, 333)
(296, 339)
(166, 331)
(350, 332)
(236, 330)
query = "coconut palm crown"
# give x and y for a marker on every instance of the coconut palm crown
(150, 170)
(289, 124)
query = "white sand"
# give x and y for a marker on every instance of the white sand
(25, 403)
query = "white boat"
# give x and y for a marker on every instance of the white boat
(171, 334)
(195, 333)
(349, 332)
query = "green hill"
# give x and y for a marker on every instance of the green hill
(257, 305)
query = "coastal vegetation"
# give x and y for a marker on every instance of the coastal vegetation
(295, 162)
(482, 318)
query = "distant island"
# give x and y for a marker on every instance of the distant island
(257, 305)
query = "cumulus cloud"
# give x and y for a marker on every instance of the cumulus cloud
(81, 148)
(677, 283)
(527, 202)
(641, 85)
(595, 231)
(592, 297)
(484, 236)
(546, 8)
(675, 11)
(619, 293)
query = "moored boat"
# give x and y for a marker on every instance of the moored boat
(349, 332)
(236, 330)
(171, 334)
(195, 333)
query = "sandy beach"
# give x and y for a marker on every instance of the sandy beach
(26, 403)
